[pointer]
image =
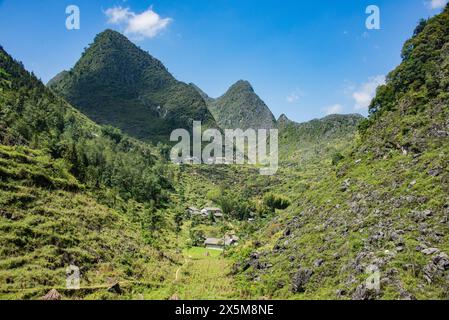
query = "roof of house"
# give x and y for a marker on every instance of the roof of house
(214, 242)
(212, 209)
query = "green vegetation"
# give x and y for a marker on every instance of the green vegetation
(205, 274)
(301, 143)
(72, 192)
(47, 224)
(381, 202)
(274, 201)
(344, 199)
(237, 108)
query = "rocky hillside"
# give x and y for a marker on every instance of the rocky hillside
(380, 207)
(117, 83)
(320, 138)
(240, 108)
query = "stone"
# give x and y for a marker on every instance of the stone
(52, 295)
(363, 293)
(435, 172)
(345, 185)
(300, 280)
(430, 251)
(318, 263)
(115, 288)
(442, 261)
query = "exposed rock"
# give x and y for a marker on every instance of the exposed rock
(435, 172)
(115, 288)
(436, 267)
(430, 251)
(420, 216)
(53, 295)
(363, 293)
(345, 185)
(442, 261)
(300, 280)
(341, 293)
(318, 263)
(406, 296)
(174, 297)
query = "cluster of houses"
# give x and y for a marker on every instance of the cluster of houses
(206, 212)
(210, 161)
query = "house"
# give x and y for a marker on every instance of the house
(216, 212)
(192, 211)
(214, 244)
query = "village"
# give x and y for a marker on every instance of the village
(211, 243)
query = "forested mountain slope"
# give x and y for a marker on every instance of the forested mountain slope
(74, 193)
(117, 83)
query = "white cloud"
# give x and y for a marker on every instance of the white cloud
(294, 96)
(118, 15)
(334, 109)
(147, 24)
(437, 4)
(366, 92)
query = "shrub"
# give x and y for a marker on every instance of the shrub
(274, 201)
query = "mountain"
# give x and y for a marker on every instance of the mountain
(373, 223)
(203, 94)
(117, 83)
(240, 108)
(299, 142)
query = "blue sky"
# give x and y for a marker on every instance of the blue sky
(304, 58)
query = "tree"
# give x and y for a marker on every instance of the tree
(274, 201)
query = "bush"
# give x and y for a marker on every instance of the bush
(336, 158)
(274, 201)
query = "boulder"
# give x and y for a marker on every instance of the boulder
(430, 251)
(52, 295)
(300, 280)
(115, 288)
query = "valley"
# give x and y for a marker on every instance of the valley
(86, 180)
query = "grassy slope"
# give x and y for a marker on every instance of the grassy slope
(67, 197)
(204, 275)
(47, 223)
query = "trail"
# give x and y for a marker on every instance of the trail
(179, 269)
(206, 276)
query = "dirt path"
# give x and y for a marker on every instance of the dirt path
(179, 269)
(204, 275)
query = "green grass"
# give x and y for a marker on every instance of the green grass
(44, 229)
